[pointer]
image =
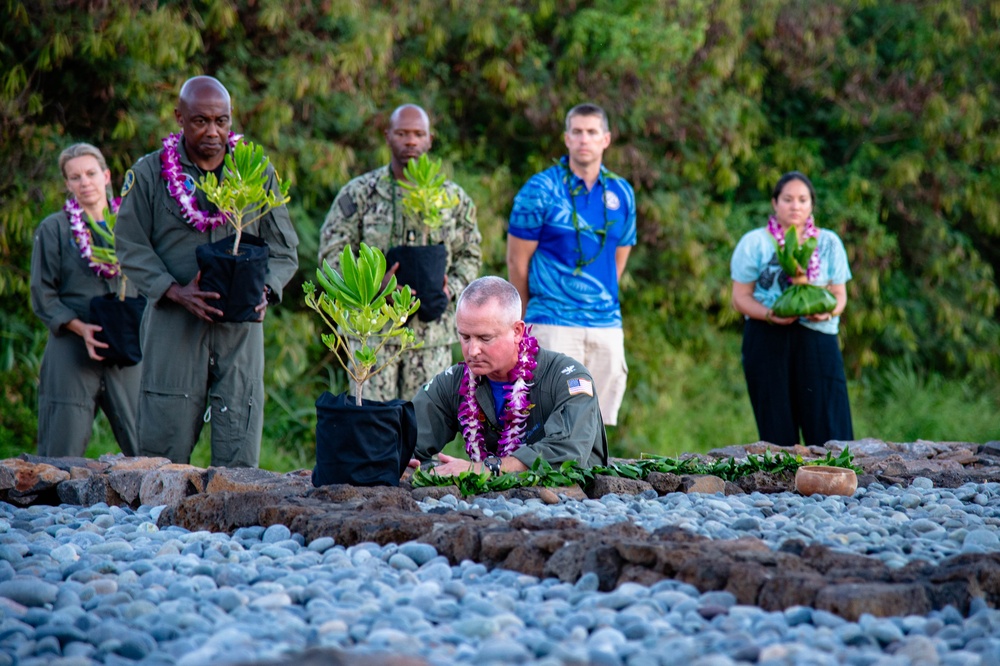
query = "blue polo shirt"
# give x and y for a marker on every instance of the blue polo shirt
(560, 292)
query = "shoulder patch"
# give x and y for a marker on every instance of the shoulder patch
(579, 386)
(129, 182)
(347, 205)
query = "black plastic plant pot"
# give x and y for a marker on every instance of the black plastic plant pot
(422, 267)
(119, 321)
(239, 280)
(369, 445)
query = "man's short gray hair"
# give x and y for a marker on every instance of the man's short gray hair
(588, 109)
(493, 289)
(81, 150)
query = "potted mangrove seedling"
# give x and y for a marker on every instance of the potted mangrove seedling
(362, 442)
(801, 299)
(118, 315)
(423, 267)
(236, 267)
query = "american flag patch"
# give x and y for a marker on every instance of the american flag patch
(577, 386)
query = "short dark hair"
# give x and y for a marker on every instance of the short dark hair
(588, 109)
(789, 177)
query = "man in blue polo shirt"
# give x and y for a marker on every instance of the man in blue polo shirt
(571, 231)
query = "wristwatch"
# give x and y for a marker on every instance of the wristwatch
(493, 464)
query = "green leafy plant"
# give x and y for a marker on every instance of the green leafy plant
(570, 472)
(356, 306)
(426, 196)
(243, 195)
(802, 298)
(106, 255)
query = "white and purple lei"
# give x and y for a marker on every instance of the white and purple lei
(173, 174)
(810, 231)
(81, 234)
(516, 405)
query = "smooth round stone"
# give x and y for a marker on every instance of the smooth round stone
(276, 533)
(420, 553)
(476, 627)
(718, 598)
(13, 552)
(797, 615)
(272, 600)
(29, 592)
(923, 525)
(104, 521)
(322, 544)
(102, 586)
(64, 554)
(922, 482)
(502, 651)
(64, 633)
(115, 550)
(746, 525)
(885, 631)
(386, 637)
(588, 582)
(606, 637)
(402, 562)
(276, 552)
(985, 538)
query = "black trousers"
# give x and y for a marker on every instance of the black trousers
(795, 378)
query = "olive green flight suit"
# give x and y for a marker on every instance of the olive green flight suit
(194, 371)
(365, 210)
(72, 386)
(564, 422)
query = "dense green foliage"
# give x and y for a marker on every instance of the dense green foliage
(891, 107)
(570, 473)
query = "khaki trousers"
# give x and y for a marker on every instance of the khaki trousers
(602, 352)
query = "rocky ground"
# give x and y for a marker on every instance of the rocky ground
(917, 545)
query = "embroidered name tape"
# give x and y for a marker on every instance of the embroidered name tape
(578, 386)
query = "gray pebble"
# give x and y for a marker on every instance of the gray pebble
(29, 591)
(276, 533)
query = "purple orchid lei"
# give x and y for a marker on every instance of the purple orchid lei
(516, 405)
(173, 174)
(810, 231)
(81, 234)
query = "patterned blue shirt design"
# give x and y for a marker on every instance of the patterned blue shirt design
(755, 260)
(543, 212)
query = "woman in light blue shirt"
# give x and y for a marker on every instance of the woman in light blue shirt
(793, 366)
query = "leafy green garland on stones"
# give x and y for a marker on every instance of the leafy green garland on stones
(542, 473)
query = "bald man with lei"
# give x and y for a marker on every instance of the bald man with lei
(196, 370)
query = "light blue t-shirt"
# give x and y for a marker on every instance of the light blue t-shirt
(543, 212)
(755, 260)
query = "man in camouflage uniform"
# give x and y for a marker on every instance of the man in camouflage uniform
(369, 209)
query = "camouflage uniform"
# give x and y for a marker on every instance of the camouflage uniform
(364, 210)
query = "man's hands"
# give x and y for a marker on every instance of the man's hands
(452, 466)
(87, 331)
(193, 299)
